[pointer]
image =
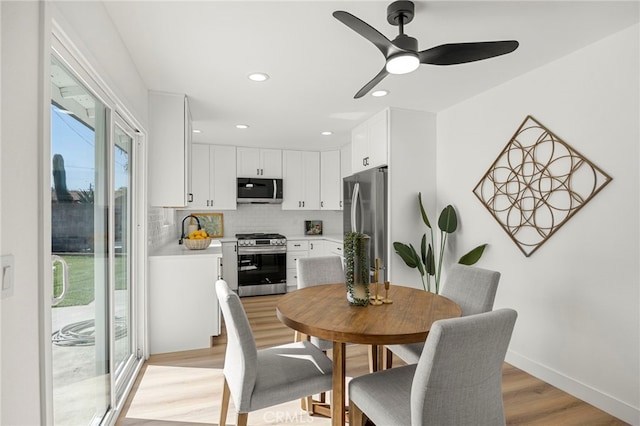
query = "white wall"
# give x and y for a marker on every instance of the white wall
(21, 121)
(578, 295)
(25, 46)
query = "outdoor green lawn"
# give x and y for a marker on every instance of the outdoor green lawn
(80, 289)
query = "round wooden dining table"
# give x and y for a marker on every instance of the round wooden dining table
(323, 311)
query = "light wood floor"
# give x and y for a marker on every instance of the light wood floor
(527, 400)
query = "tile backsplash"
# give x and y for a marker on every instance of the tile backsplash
(164, 223)
(161, 226)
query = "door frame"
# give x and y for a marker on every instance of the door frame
(57, 42)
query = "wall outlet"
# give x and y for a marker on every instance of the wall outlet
(7, 268)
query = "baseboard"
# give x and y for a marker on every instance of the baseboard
(607, 403)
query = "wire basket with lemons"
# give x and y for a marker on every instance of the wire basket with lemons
(197, 240)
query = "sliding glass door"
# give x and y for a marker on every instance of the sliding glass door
(93, 343)
(124, 356)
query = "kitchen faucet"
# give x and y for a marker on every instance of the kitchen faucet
(185, 218)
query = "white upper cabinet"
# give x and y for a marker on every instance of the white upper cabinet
(169, 151)
(330, 181)
(301, 180)
(213, 177)
(369, 143)
(260, 163)
(345, 161)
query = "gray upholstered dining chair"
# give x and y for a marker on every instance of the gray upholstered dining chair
(257, 379)
(316, 271)
(472, 288)
(457, 380)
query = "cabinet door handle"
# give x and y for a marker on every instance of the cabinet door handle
(299, 204)
(321, 203)
(190, 198)
(303, 204)
(340, 204)
(311, 246)
(258, 172)
(261, 172)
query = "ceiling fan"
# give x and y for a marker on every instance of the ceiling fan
(402, 55)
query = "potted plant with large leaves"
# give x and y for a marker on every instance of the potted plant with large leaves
(427, 262)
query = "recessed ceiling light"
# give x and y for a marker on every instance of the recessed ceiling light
(379, 93)
(242, 126)
(326, 133)
(258, 76)
(196, 131)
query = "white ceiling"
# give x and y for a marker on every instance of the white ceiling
(206, 49)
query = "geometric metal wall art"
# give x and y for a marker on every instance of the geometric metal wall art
(537, 183)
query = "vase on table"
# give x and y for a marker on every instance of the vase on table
(356, 253)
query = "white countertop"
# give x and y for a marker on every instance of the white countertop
(335, 238)
(175, 249)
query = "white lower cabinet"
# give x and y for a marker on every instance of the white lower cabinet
(309, 247)
(295, 250)
(230, 263)
(333, 248)
(183, 307)
(317, 248)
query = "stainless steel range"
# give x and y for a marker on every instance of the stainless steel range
(262, 264)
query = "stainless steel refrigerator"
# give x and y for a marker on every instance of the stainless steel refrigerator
(365, 211)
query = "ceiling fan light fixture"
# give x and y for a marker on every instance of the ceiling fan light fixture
(402, 63)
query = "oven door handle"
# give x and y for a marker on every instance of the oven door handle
(262, 250)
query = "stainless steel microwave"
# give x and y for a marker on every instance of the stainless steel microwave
(259, 191)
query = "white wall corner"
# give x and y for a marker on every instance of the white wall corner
(580, 390)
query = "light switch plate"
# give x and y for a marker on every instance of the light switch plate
(7, 268)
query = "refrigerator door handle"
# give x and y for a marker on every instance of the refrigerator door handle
(361, 208)
(354, 204)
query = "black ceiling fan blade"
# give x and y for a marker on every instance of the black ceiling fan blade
(370, 85)
(460, 53)
(365, 30)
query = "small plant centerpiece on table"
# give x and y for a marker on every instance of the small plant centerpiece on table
(356, 254)
(427, 263)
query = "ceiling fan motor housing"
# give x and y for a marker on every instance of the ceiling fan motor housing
(400, 12)
(406, 42)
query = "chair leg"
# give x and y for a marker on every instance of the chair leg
(373, 358)
(309, 403)
(356, 416)
(242, 419)
(388, 359)
(224, 406)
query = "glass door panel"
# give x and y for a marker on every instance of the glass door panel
(124, 355)
(80, 248)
